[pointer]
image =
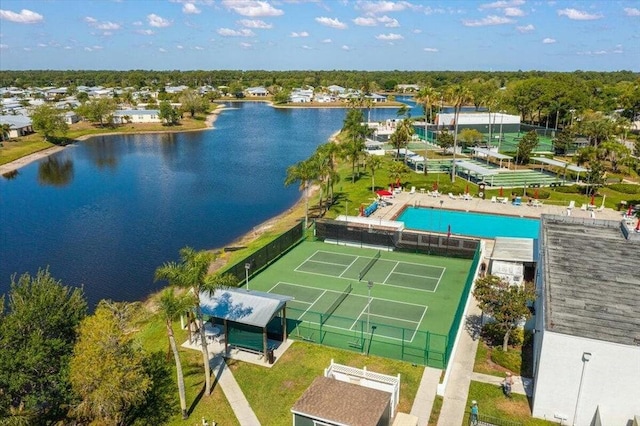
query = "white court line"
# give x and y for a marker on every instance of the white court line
(417, 276)
(392, 269)
(440, 279)
(350, 265)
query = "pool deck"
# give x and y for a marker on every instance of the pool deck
(402, 199)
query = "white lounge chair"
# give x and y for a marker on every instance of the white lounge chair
(583, 207)
(467, 197)
(413, 190)
(536, 203)
(494, 199)
(453, 197)
(572, 204)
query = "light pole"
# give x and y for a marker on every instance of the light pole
(369, 287)
(572, 111)
(500, 137)
(586, 356)
(247, 266)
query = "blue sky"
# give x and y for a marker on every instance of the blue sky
(501, 35)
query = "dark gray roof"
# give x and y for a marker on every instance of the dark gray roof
(342, 402)
(240, 305)
(592, 280)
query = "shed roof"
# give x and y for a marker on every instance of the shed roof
(591, 279)
(514, 249)
(474, 168)
(558, 163)
(342, 403)
(492, 154)
(239, 305)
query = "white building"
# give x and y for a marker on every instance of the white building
(19, 125)
(136, 116)
(587, 339)
(500, 122)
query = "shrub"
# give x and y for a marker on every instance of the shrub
(571, 189)
(542, 194)
(493, 335)
(511, 360)
(625, 188)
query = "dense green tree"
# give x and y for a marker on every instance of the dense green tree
(445, 140)
(356, 132)
(82, 97)
(48, 121)
(615, 153)
(374, 163)
(281, 97)
(458, 95)
(4, 131)
(191, 273)
(595, 176)
(107, 370)
(470, 137)
(171, 307)
(37, 336)
(427, 97)
(98, 110)
(564, 142)
(507, 304)
(192, 102)
(324, 161)
(168, 114)
(527, 144)
(397, 171)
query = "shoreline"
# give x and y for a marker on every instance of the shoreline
(36, 156)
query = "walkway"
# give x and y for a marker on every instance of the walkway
(243, 411)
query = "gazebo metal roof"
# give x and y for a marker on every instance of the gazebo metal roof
(249, 307)
(558, 163)
(492, 154)
(474, 168)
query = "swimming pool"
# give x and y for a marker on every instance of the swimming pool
(468, 223)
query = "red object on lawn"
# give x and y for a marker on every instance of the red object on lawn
(629, 211)
(536, 194)
(435, 186)
(467, 190)
(500, 192)
(638, 226)
(384, 193)
(593, 199)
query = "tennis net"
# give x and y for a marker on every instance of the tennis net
(324, 317)
(369, 265)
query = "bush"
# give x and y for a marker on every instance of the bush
(625, 188)
(542, 194)
(493, 335)
(511, 360)
(571, 189)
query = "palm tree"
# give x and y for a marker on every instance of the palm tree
(4, 131)
(191, 273)
(426, 96)
(303, 172)
(327, 176)
(458, 96)
(357, 133)
(373, 163)
(397, 171)
(171, 306)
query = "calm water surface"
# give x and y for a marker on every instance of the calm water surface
(106, 212)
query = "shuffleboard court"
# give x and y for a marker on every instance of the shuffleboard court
(394, 304)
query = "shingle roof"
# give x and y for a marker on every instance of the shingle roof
(592, 280)
(342, 402)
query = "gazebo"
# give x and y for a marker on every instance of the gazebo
(562, 164)
(248, 317)
(487, 153)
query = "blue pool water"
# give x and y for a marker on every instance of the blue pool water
(468, 223)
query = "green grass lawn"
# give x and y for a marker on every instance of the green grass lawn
(492, 402)
(21, 147)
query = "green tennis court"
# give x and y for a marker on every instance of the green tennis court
(389, 303)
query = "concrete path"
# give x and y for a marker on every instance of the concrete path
(423, 402)
(521, 385)
(232, 391)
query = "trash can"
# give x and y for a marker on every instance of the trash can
(270, 356)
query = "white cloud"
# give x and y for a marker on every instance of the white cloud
(548, 40)
(513, 11)
(145, 32)
(327, 40)
(305, 47)
(138, 23)
(618, 49)
(365, 22)
(578, 15)
(108, 26)
(97, 47)
(389, 37)
(376, 7)
(430, 49)
(430, 11)
(25, 16)
(300, 34)
(198, 48)
(501, 4)
(631, 11)
(4, 46)
(252, 8)
(88, 49)
(489, 20)
(331, 22)
(162, 49)
(345, 47)
(389, 22)
(526, 28)
(246, 45)
(179, 47)
(157, 21)
(190, 9)
(68, 48)
(90, 20)
(42, 45)
(255, 23)
(228, 32)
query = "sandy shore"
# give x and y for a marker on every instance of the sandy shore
(28, 159)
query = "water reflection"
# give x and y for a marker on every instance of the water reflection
(11, 175)
(104, 153)
(55, 171)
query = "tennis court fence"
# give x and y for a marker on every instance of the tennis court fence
(366, 235)
(418, 347)
(262, 257)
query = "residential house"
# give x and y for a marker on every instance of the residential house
(586, 359)
(336, 90)
(404, 88)
(376, 98)
(136, 116)
(257, 91)
(19, 125)
(71, 117)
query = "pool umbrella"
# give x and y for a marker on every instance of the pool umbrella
(638, 226)
(629, 211)
(500, 192)
(593, 199)
(384, 193)
(466, 191)
(536, 194)
(435, 186)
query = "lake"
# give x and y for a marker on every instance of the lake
(106, 212)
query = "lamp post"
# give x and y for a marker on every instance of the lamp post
(369, 287)
(586, 356)
(247, 266)
(500, 137)
(572, 111)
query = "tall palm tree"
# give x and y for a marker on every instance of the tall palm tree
(171, 307)
(458, 95)
(357, 133)
(191, 273)
(303, 172)
(373, 163)
(427, 97)
(4, 131)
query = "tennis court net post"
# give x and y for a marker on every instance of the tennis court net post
(324, 317)
(369, 265)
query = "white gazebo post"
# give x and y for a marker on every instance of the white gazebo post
(247, 266)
